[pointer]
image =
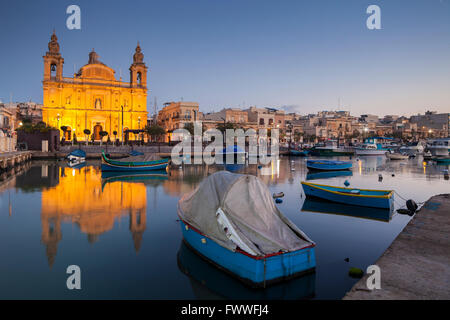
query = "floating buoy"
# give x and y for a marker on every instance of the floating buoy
(259, 167)
(347, 259)
(380, 177)
(278, 195)
(393, 175)
(355, 273)
(411, 205)
(346, 183)
(292, 169)
(404, 211)
(278, 200)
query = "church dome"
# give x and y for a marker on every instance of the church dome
(96, 69)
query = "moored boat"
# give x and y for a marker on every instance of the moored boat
(299, 153)
(352, 196)
(134, 163)
(396, 156)
(329, 165)
(330, 148)
(439, 147)
(231, 221)
(441, 160)
(77, 155)
(372, 147)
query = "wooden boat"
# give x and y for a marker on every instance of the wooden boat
(441, 160)
(396, 156)
(77, 155)
(298, 153)
(329, 165)
(207, 280)
(317, 205)
(352, 196)
(129, 164)
(267, 250)
(331, 148)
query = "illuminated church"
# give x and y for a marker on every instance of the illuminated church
(93, 99)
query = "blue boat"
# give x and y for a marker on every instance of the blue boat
(210, 282)
(231, 221)
(330, 165)
(76, 155)
(352, 196)
(315, 205)
(298, 153)
(129, 164)
(328, 174)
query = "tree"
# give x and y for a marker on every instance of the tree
(87, 132)
(222, 127)
(155, 131)
(64, 130)
(102, 135)
(189, 126)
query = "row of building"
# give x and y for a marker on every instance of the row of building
(93, 100)
(312, 127)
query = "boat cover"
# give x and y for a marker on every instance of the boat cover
(248, 205)
(78, 153)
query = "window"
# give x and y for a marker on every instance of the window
(261, 121)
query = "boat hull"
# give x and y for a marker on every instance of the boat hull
(331, 153)
(373, 198)
(254, 271)
(122, 166)
(326, 165)
(110, 167)
(362, 152)
(298, 153)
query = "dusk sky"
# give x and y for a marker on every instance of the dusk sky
(304, 56)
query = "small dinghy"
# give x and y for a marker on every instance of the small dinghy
(231, 221)
(328, 165)
(134, 163)
(77, 155)
(359, 197)
(396, 156)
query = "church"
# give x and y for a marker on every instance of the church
(93, 98)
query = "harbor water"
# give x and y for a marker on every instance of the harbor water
(124, 232)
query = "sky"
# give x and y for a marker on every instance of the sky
(302, 56)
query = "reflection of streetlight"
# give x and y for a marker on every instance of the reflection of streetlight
(20, 124)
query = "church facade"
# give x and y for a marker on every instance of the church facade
(93, 98)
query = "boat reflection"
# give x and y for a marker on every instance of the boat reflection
(208, 282)
(322, 206)
(155, 177)
(313, 175)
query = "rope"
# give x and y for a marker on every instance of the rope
(418, 203)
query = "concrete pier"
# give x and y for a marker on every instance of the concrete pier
(10, 159)
(417, 263)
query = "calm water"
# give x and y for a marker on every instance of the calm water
(125, 236)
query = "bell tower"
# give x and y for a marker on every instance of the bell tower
(53, 62)
(138, 70)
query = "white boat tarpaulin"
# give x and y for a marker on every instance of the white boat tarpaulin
(249, 207)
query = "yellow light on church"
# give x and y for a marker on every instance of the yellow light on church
(93, 98)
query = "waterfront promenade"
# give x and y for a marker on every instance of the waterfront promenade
(417, 263)
(10, 159)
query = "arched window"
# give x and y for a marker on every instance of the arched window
(53, 70)
(139, 78)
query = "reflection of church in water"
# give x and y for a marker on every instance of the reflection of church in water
(80, 199)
